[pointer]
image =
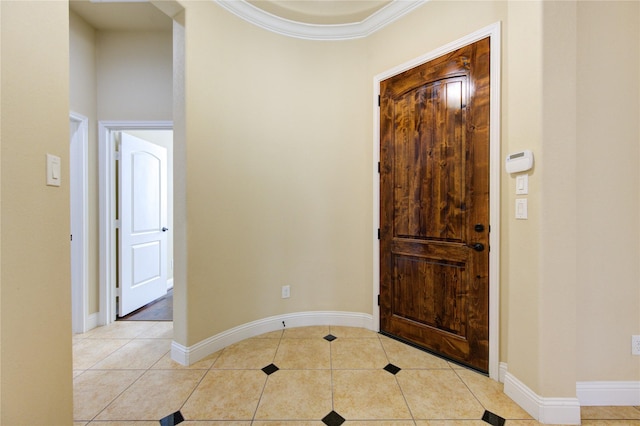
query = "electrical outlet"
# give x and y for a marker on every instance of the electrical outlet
(286, 291)
(635, 344)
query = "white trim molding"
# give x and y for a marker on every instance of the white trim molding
(386, 15)
(564, 411)
(494, 32)
(188, 355)
(608, 393)
(79, 211)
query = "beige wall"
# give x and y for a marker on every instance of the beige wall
(34, 239)
(278, 176)
(607, 190)
(134, 75)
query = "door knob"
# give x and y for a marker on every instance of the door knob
(165, 229)
(477, 246)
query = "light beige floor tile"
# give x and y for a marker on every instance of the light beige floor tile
(306, 332)
(124, 423)
(226, 395)
(285, 423)
(353, 332)
(368, 395)
(455, 366)
(120, 330)
(154, 396)
(609, 413)
(296, 395)
(491, 395)
(406, 357)
(611, 422)
(303, 354)
(221, 423)
(438, 394)
(522, 423)
(248, 354)
(95, 389)
(271, 335)
(381, 423)
(89, 352)
(80, 423)
(76, 373)
(349, 354)
(160, 330)
(166, 363)
(138, 354)
(451, 423)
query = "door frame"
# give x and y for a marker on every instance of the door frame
(79, 196)
(107, 202)
(495, 168)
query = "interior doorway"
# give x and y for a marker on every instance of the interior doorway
(161, 134)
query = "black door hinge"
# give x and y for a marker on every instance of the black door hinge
(378, 100)
(378, 167)
(378, 300)
(378, 233)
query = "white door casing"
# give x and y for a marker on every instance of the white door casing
(143, 223)
(79, 220)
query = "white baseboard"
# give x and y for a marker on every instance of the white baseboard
(608, 393)
(169, 284)
(545, 410)
(188, 355)
(502, 372)
(92, 321)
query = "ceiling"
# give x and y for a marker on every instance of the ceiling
(121, 16)
(143, 15)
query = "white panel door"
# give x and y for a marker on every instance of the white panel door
(143, 223)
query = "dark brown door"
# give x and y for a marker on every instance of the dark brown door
(434, 196)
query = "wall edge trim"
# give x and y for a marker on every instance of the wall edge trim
(603, 393)
(188, 355)
(543, 409)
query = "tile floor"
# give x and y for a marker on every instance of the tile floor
(124, 375)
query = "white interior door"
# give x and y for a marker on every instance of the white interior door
(142, 247)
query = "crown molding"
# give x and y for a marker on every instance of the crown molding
(393, 11)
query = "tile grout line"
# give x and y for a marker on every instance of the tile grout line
(144, 371)
(395, 376)
(266, 380)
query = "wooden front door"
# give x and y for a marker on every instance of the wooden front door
(434, 205)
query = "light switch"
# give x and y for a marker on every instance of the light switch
(522, 184)
(53, 170)
(521, 208)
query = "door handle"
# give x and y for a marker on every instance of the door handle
(164, 229)
(477, 246)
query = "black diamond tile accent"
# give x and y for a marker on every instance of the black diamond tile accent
(172, 419)
(270, 369)
(333, 419)
(392, 369)
(330, 337)
(493, 419)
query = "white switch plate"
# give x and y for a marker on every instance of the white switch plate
(286, 291)
(521, 208)
(53, 170)
(635, 345)
(522, 184)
